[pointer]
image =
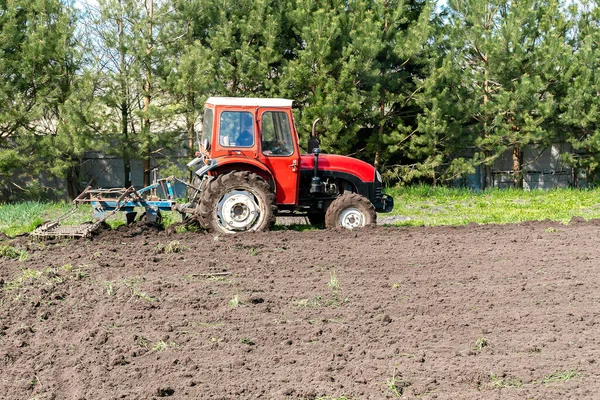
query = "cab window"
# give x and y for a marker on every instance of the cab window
(236, 129)
(276, 134)
(207, 126)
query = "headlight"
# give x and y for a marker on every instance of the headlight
(378, 176)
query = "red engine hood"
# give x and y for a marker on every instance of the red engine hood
(332, 162)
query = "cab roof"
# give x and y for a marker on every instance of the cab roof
(248, 102)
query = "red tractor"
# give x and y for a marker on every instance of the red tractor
(251, 170)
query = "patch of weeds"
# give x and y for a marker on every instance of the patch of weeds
(318, 301)
(141, 295)
(560, 376)
(217, 278)
(132, 284)
(333, 283)
(497, 382)
(142, 342)
(33, 382)
(551, 230)
(13, 253)
(209, 277)
(161, 345)
(109, 288)
(252, 250)
(315, 301)
(115, 223)
(396, 386)
(31, 278)
(175, 247)
(247, 341)
(78, 273)
(480, 343)
(181, 228)
(235, 301)
(395, 285)
(171, 248)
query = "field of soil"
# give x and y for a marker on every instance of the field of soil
(475, 312)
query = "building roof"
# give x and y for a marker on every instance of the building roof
(248, 101)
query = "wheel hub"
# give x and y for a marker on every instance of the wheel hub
(352, 218)
(238, 210)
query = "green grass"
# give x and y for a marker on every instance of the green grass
(433, 206)
(414, 206)
(19, 218)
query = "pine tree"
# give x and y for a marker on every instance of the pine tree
(333, 54)
(581, 105)
(37, 66)
(495, 88)
(132, 100)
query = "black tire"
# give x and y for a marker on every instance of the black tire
(350, 211)
(237, 202)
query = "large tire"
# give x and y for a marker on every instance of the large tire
(237, 202)
(350, 211)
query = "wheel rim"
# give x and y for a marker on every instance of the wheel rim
(238, 210)
(352, 218)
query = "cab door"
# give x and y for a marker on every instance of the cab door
(279, 151)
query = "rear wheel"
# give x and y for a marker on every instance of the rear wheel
(350, 211)
(237, 202)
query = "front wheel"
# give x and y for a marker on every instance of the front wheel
(237, 202)
(350, 211)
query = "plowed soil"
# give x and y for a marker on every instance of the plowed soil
(475, 312)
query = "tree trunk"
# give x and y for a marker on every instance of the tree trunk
(125, 153)
(124, 109)
(147, 94)
(487, 182)
(380, 132)
(517, 166)
(190, 130)
(73, 173)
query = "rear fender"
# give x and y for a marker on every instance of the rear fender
(226, 165)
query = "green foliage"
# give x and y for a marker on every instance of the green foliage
(426, 94)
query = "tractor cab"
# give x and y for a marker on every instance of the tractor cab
(256, 135)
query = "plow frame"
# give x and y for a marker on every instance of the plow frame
(107, 202)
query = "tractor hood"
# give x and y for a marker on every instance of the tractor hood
(333, 162)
